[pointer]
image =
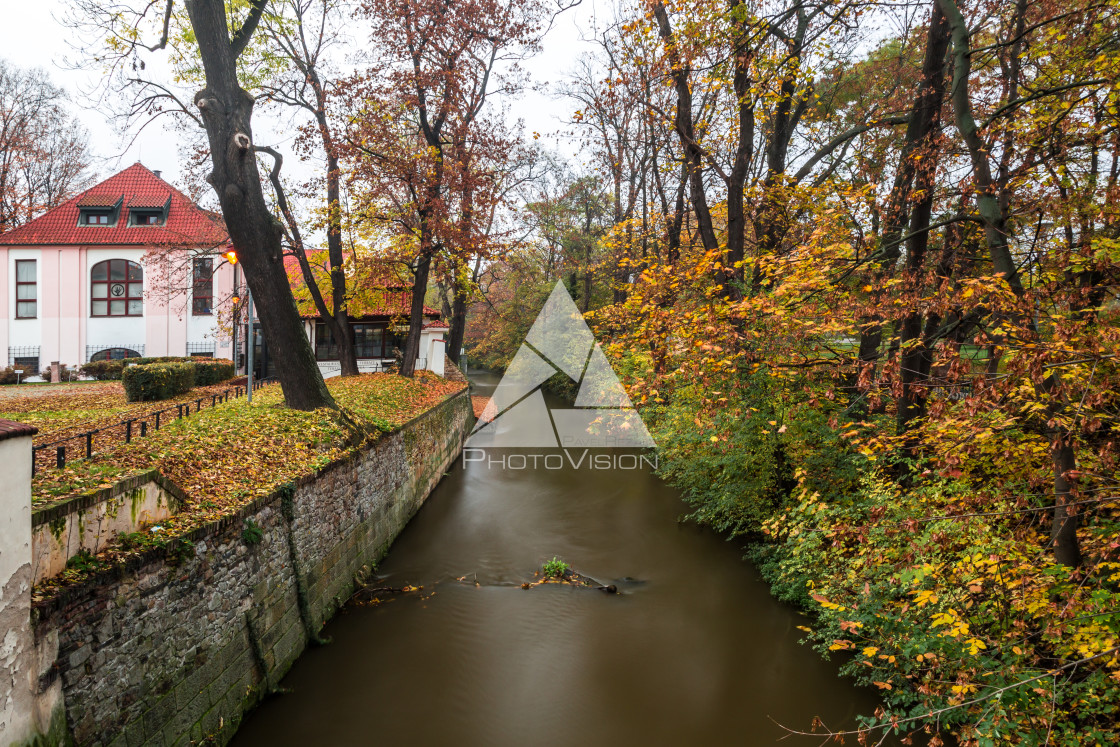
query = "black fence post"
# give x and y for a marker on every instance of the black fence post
(143, 428)
(60, 457)
(157, 419)
(89, 444)
(180, 411)
(128, 431)
(34, 453)
(198, 405)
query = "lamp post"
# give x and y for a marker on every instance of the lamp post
(251, 342)
(236, 322)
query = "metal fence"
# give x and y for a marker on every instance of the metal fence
(201, 348)
(92, 350)
(23, 353)
(54, 454)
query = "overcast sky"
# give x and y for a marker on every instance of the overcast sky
(32, 36)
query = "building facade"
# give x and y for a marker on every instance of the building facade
(130, 267)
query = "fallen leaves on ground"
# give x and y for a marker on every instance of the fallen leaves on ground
(224, 457)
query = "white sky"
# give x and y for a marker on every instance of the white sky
(31, 36)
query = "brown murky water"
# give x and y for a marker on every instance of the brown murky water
(696, 653)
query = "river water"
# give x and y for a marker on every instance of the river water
(694, 651)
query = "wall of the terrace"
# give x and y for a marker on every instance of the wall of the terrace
(178, 645)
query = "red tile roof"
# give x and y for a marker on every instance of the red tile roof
(379, 296)
(187, 225)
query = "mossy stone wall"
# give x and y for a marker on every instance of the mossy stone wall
(176, 647)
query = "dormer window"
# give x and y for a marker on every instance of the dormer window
(147, 217)
(149, 209)
(99, 209)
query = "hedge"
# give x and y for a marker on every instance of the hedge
(103, 370)
(153, 381)
(111, 370)
(207, 372)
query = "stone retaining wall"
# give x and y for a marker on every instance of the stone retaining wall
(86, 523)
(175, 648)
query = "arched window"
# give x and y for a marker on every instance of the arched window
(114, 354)
(117, 288)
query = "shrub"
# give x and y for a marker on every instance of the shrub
(8, 375)
(207, 372)
(153, 381)
(104, 370)
(157, 359)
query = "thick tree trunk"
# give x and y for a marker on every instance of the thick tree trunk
(458, 324)
(416, 316)
(226, 111)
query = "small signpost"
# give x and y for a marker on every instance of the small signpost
(19, 373)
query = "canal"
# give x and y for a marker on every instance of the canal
(693, 651)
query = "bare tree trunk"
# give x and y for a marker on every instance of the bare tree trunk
(227, 112)
(416, 315)
(923, 117)
(458, 319)
(1063, 527)
(693, 156)
(744, 153)
(913, 364)
(987, 201)
(344, 334)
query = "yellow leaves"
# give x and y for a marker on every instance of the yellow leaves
(923, 597)
(840, 645)
(827, 604)
(975, 646)
(951, 619)
(870, 651)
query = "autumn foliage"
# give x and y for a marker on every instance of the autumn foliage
(866, 300)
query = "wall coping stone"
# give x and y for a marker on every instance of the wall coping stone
(15, 429)
(82, 501)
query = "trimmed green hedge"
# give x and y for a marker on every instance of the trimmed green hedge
(112, 370)
(153, 381)
(207, 372)
(103, 370)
